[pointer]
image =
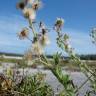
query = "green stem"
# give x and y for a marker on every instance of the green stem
(46, 64)
(32, 27)
(57, 71)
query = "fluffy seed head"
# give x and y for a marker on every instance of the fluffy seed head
(23, 34)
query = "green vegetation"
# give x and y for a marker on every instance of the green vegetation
(27, 86)
(10, 60)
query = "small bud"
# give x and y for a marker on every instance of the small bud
(59, 23)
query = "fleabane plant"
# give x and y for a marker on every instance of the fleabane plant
(40, 40)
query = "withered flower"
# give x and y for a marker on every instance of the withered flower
(36, 4)
(44, 40)
(67, 45)
(43, 28)
(29, 13)
(6, 84)
(37, 49)
(59, 23)
(21, 5)
(24, 33)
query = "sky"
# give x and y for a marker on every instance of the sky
(79, 16)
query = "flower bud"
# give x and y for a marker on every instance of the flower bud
(59, 23)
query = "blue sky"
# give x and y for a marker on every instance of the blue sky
(79, 16)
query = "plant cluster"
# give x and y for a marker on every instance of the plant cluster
(14, 84)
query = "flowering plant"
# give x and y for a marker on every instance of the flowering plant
(41, 39)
